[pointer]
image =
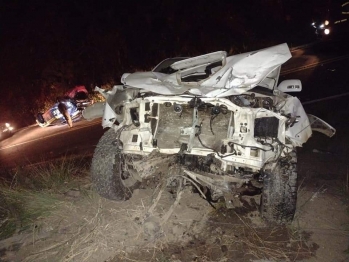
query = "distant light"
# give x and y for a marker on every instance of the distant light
(322, 26)
(327, 22)
(327, 31)
(7, 125)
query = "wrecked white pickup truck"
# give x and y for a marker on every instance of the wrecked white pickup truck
(215, 122)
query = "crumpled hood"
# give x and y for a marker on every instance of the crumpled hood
(238, 74)
(156, 82)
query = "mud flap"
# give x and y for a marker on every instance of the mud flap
(321, 126)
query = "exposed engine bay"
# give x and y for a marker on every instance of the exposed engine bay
(225, 121)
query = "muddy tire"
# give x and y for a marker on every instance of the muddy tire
(111, 172)
(279, 195)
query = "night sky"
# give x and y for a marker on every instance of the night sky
(49, 46)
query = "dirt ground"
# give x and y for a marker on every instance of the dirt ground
(155, 225)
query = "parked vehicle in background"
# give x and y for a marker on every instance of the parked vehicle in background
(67, 110)
(6, 130)
(221, 124)
(334, 22)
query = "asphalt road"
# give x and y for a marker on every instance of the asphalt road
(35, 144)
(328, 75)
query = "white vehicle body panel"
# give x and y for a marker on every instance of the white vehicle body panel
(239, 73)
(235, 75)
(218, 123)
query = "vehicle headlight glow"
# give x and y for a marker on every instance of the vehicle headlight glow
(7, 125)
(327, 31)
(10, 128)
(322, 26)
(327, 22)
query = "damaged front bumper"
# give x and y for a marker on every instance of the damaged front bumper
(240, 132)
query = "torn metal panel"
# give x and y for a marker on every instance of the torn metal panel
(300, 131)
(234, 75)
(321, 126)
(245, 71)
(156, 82)
(199, 60)
(94, 111)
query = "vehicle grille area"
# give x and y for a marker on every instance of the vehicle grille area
(266, 127)
(172, 125)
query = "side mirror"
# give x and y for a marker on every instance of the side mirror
(292, 85)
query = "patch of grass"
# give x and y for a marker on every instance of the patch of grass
(57, 176)
(31, 193)
(20, 209)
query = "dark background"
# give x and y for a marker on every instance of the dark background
(47, 47)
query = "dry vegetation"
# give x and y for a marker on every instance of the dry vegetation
(30, 193)
(50, 213)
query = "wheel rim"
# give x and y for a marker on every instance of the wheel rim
(128, 174)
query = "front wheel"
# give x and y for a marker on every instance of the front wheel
(112, 172)
(279, 195)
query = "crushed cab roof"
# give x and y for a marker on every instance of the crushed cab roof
(215, 74)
